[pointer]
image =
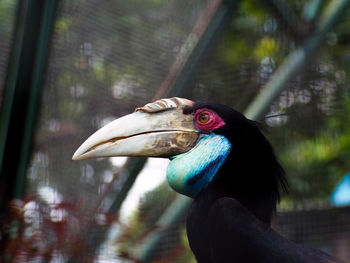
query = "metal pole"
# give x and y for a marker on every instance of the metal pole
(22, 92)
(36, 90)
(312, 10)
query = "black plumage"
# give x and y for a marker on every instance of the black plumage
(229, 221)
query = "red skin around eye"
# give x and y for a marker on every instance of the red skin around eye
(213, 123)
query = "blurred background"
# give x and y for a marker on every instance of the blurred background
(69, 67)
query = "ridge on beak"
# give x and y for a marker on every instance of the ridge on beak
(159, 129)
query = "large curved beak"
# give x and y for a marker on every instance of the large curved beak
(153, 131)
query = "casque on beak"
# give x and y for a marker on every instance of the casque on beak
(158, 129)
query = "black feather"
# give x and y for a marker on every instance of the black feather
(229, 221)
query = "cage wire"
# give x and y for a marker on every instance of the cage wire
(108, 57)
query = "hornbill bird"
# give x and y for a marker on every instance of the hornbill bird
(223, 161)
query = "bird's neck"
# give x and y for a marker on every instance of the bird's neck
(191, 172)
(252, 176)
(262, 205)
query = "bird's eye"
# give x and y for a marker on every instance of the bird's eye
(207, 120)
(204, 117)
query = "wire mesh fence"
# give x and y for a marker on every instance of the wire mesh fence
(108, 57)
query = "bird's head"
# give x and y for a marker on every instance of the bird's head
(208, 144)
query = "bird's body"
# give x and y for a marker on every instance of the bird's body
(225, 231)
(224, 162)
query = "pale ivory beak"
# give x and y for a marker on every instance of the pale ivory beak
(159, 129)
